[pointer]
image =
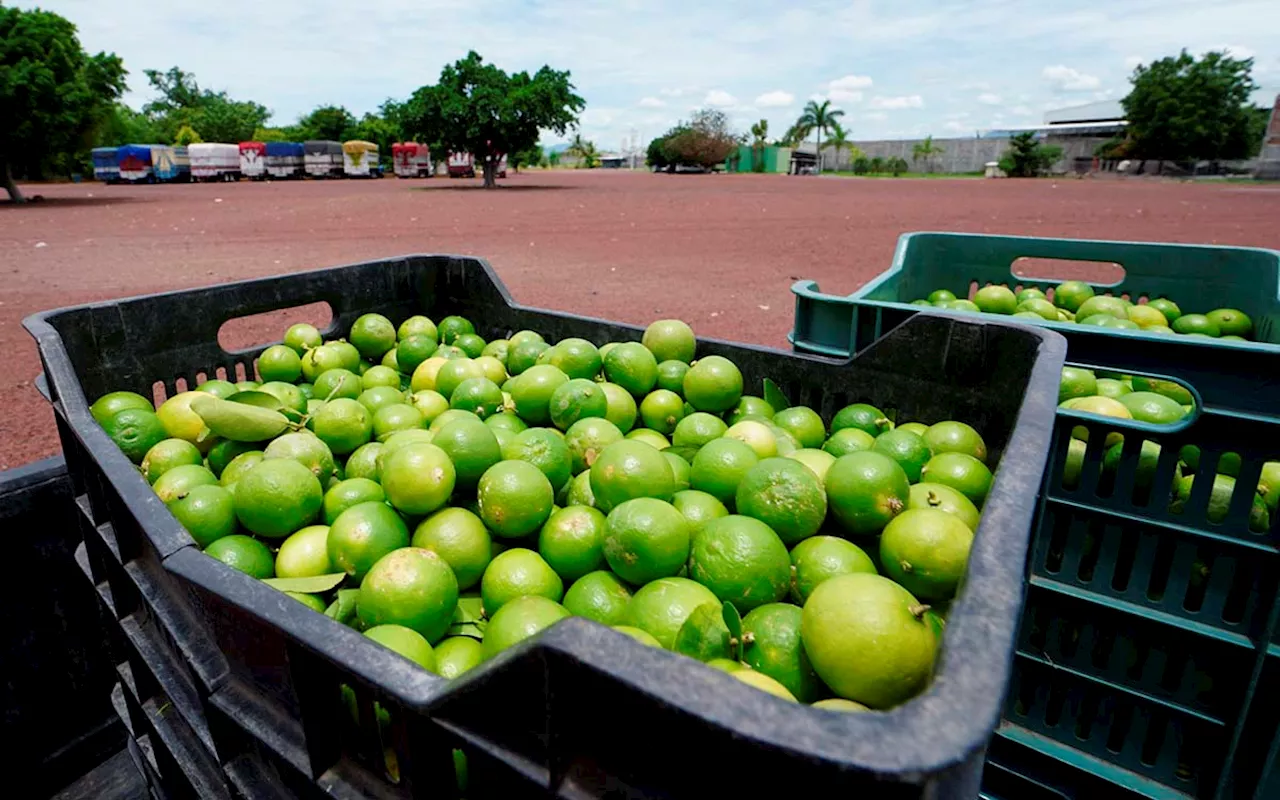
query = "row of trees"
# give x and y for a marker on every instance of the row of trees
(57, 102)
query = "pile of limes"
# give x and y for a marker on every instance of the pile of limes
(452, 496)
(1075, 301)
(1158, 402)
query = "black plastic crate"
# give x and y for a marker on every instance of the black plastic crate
(528, 720)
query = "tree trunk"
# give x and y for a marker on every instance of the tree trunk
(819, 151)
(6, 180)
(490, 172)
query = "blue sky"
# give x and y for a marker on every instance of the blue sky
(947, 69)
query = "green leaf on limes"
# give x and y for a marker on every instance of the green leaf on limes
(317, 584)
(239, 422)
(255, 398)
(470, 609)
(774, 396)
(732, 620)
(343, 608)
(474, 630)
(704, 635)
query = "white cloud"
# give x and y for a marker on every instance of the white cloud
(955, 126)
(903, 101)
(989, 99)
(775, 99)
(650, 102)
(1066, 79)
(719, 98)
(1022, 111)
(975, 86)
(878, 116)
(848, 89)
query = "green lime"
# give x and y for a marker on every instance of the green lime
(661, 607)
(577, 399)
(866, 418)
(350, 492)
(1103, 304)
(337, 384)
(941, 296)
(680, 469)
(239, 466)
(671, 375)
(758, 680)
(471, 344)
(343, 425)
(277, 497)
(1031, 293)
(697, 429)
(1109, 387)
(423, 378)
(207, 512)
(417, 478)
(180, 480)
(413, 350)
(633, 367)
(395, 418)
(456, 655)
(670, 340)
(996, 300)
(302, 337)
(572, 541)
(630, 469)
(1171, 389)
(652, 438)
(804, 424)
(376, 376)
(955, 437)
(405, 642)
(867, 639)
(865, 491)
(1077, 382)
(819, 558)
(1196, 323)
(545, 450)
(520, 337)
(598, 596)
(818, 461)
(1071, 295)
(577, 358)
(493, 369)
(417, 325)
(312, 601)
(1152, 407)
(107, 406)
(848, 440)
(839, 704)
(533, 390)
(461, 539)
(412, 587)
(516, 573)
(1167, 307)
(450, 328)
(363, 463)
(506, 420)
(166, 454)
(586, 439)
(480, 396)
(741, 560)
(720, 466)
(451, 416)
(499, 349)
(698, 507)
(524, 355)
(772, 634)
(962, 472)
(944, 498)
(217, 388)
(471, 446)
(134, 427)
(362, 535)
(246, 386)
(520, 619)
(909, 449)
(926, 550)
(318, 360)
(515, 498)
(453, 374)
(662, 410)
(579, 491)
(379, 397)
(713, 384)
(1042, 308)
(620, 406)
(786, 496)
(244, 553)
(640, 636)
(646, 539)
(280, 363)
(751, 407)
(305, 554)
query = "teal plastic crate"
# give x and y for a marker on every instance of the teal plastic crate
(1199, 278)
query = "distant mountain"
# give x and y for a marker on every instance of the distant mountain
(556, 148)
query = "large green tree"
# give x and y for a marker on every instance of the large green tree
(1183, 108)
(327, 122)
(704, 141)
(180, 102)
(53, 94)
(479, 109)
(818, 118)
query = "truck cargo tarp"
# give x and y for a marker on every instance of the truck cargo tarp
(285, 149)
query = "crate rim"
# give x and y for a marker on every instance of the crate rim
(978, 620)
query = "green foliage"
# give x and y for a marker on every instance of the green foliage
(760, 138)
(123, 125)
(186, 135)
(1027, 157)
(876, 166)
(182, 103)
(53, 95)
(1182, 108)
(261, 134)
(897, 166)
(927, 151)
(704, 141)
(528, 157)
(817, 118)
(480, 109)
(585, 151)
(553, 159)
(327, 122)
(861, 165)
(838, 140)
(656, 154)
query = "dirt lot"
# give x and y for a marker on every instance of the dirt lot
(718, 251)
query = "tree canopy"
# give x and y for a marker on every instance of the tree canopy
(53, 94)
(1027, 157)
(1184, 108)
(215, 116)
(704, 141)
(479, 109)
(817, 118)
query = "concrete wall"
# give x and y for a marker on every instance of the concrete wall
(969, 154)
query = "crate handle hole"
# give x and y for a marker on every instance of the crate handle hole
(256, 330)
(1100, 273)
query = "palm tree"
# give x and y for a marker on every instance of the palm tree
(760, 132)
(578, 147)
(838, 138)
(926, 150)
(819, 118)
(794, 135)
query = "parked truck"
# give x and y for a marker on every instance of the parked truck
(285, 159)
(214, 161)
(253, 160)
(360, 159)
(106, 164)
(323, 158)
(411, 160)
(462, 165)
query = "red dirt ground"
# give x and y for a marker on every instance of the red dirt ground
(718, 251)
